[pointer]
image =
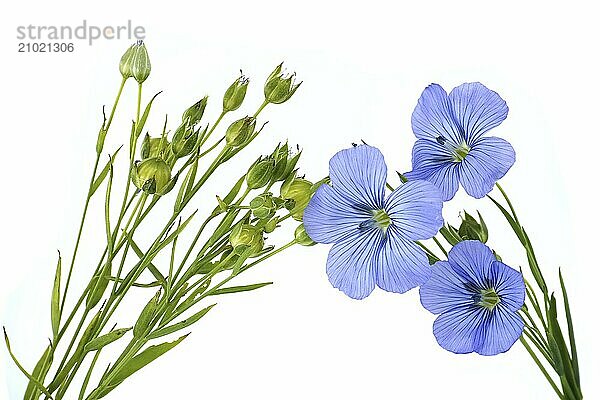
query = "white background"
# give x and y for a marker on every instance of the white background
(364, 66)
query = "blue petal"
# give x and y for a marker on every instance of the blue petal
(433, 162)
(500, 331)
(400, 265)
(445, 290)
(458, 330)
(360, 174)
(330, 217)
(433, 116)
(415, 208)
(509, 285)
(477, 109)
(350, 263)
(472, 261)
(489, 159)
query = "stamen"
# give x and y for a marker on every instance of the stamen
(461, 152)
(487, 298)
(381, 219)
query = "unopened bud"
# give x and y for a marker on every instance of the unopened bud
(135, 62)
(260, 173)
(244, 237)
(152, 175)
(470, 229)
(153, 147)
(299, 191)
(194, 114)
(184, 141)
(240, 131)
(235, 94)
(302, 237)
(263, 206)
(279, 86)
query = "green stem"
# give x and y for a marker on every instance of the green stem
(541, 367)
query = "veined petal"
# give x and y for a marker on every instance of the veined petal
(433, 116)
(477, 109)
(509, 285)
(489, 159)
(499, 332)
(350, 263)
(415, 208)
(330, 217)
(433, 162)
(458, 330)
(360, 174)
(472, 261)
(445, 290)
(400, 265)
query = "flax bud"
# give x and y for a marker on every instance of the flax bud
(263, 206)
(152, 175)
(244, 237)
(194, 114)
(240, 131)
(299, 191)
(260, 173)
(279, 87)
(235, 94)
(302, 237)
(184, 141)
(152, 147)
(470, 229)
(135, 62)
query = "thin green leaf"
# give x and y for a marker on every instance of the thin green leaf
(39, 373)
(27, 374)
(103, 174)
(235, 190)
(151, 267)
(181, 324)
(55, 300)
(571, 331)
(104, 340)
(144, 117)
(173, 235)
(140, 361)
(146, 316)
(237, 289)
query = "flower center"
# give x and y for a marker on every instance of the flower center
(381, 219)
(487, 298)
(461, 152)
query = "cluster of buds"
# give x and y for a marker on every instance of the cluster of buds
(280, 86)
(135, 62)
(469, 229)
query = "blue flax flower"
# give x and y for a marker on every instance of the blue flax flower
(374, 236)
(478, 299)
(451, 147)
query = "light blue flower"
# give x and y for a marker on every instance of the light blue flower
(478, 299)
(451, 147)
(373, 236)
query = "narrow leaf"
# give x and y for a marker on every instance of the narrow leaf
(103, 174)
(27, 374)
(144, 117)
(101, 341)
(157, 274)
(570, 328)
(236, 289)
(39, 373)
(55, 301)
(180, 325)
(146, 316)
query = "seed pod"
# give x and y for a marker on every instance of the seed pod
(263, 206)
(300, 191)
(244, 237)
(184, 141)
(279, 87)
(146, 316)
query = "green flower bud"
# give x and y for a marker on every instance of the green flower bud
(152, 175)
(260, 173)
(194, 114)
(244, 236)
(263, 206)
(299, 191)
(302, 237)
(470, 229)
(184, 141)
(280, 87)
(135, 62)
(271, 225)
(234, 95)
(280, 155)
(152, 147)
(240, 131)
